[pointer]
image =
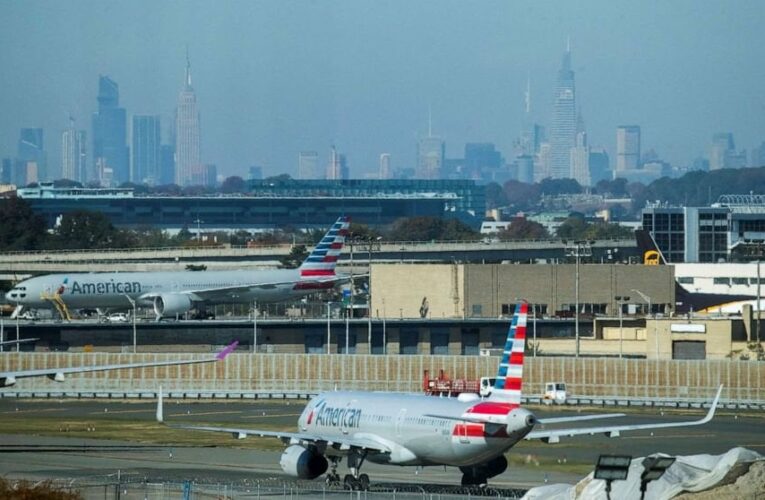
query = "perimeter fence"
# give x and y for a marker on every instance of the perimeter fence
(253, 374)
(138, 487)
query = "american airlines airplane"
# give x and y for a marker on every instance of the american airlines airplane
(412, 429)
(176, 292)
(58, 374)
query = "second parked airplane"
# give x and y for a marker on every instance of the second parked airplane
(172, 293)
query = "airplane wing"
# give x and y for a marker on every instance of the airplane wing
(14, 342)
(494, 420)
(9, 378)
(343, 444)
(214, 293)
(554, 435)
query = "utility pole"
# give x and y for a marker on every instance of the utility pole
(254, 326)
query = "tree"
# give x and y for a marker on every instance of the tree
(495, 196)
(83, 229)
(297, 255)
(431, 229)
(523, 229)
(233, 184)
(574, 227)
(521, 196)
(559, 186)
(20, 227)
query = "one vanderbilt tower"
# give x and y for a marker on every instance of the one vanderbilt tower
(187, 160)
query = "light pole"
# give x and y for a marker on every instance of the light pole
(328, 325)
(17, 333)
(254, 326)
(621, 300)
(369, 292)
(132, 303)
(534, 312)
(2, 332)
(199, 229)
(578, 249)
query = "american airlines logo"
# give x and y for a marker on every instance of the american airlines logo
(105, 287)
(335, 417)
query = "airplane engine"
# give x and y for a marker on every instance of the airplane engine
(303, 463)
(170, 304)
(478, 474)
(7, 381)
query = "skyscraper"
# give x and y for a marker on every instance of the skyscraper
(74, 154)
(627, 148)
(167, 164)
(110, 132)
(187, 149)
(308, 165)
(385, 171)
(337, 169)
(723, 153)
(563, 129)
(580, 160)
(147, 150)
(32, 152)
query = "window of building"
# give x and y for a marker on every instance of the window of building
(439, 343)
(477, 309)
(685, 280)
(741, 281)
(409, 341)
(314, 343)
(470, 341)
(721, 281)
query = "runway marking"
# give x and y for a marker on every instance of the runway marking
(205, 413)
(120, 411)
(274, 415)
(673, 436)
(36, 410)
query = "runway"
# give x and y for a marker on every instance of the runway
(49, 423)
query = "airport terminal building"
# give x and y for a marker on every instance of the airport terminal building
(232, 212)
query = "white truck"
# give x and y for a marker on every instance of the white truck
(555, 393)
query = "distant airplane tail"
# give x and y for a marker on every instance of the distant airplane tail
(648, 248)
(322, 260)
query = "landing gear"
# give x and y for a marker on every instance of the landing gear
(333, 478)
(355, 481)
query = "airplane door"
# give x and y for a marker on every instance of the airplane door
(400, 421)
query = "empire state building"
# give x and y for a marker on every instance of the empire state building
(187, 157)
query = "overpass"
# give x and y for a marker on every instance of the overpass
(20, 265)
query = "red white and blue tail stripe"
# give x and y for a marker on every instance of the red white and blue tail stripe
(510, 374)
(321, 262)
(506, 395)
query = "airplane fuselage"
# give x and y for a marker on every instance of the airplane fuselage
(413, 426)
(111, 290)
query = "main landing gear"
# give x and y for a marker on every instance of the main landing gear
(353, 481)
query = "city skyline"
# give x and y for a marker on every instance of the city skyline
(283, 87)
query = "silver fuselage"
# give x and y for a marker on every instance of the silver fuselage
(111, 290)
(401, 422)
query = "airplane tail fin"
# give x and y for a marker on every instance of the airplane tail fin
(648, 248)
(510, 373)
(322, 260)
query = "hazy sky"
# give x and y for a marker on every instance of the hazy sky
(277, 77)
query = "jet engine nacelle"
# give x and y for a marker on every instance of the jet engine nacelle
(303, 463)
(480, 472)
(7, 381)
(170, 304)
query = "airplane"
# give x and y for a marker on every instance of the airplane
(176, 292)
(9, 378)
(468, 432)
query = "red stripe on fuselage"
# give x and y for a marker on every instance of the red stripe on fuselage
(317, 272)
